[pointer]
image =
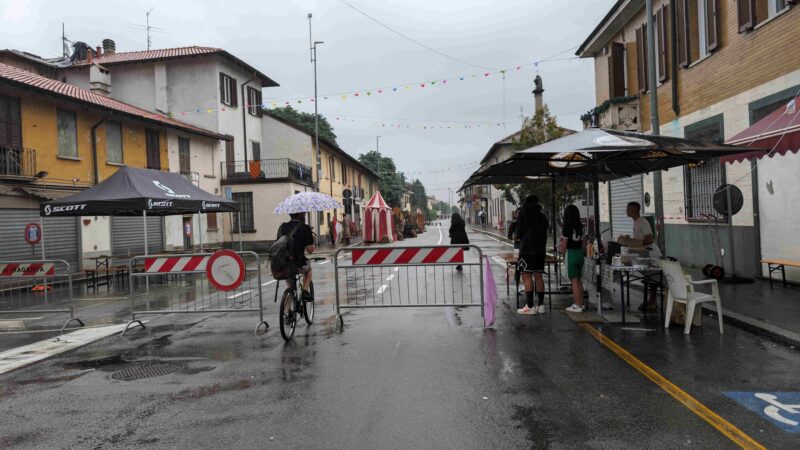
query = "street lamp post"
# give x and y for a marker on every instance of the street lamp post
(313, 49)
(377, 144)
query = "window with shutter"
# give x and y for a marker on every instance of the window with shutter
(746, 10)
(682, 27)
(10, 123)
(226, 89)
(712, 28)
(153, 149)
(211, 222)
(641, 59)
(113, 142)
(661, 43)
(67, 133)
(256, 150)
(254, 101)
(234, 93)
(184, 156)
(616, 70)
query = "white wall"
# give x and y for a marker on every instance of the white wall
(204, 160)
(779, 201)
(266, 197)
(95, 237)
(192, 85)
(279, 140)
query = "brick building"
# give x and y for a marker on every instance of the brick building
(722, 65)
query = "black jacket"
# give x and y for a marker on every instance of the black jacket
(531, 230)
(458, 232)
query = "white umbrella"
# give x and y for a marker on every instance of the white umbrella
(305, 202)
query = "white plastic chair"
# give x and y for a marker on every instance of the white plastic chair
(681, 290)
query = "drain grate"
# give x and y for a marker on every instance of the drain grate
(149, 370)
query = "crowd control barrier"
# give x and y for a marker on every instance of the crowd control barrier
(408, 277)
(37, 287)
(177, 284)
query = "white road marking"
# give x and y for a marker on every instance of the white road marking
(498, 240)
(440, 235)
(239, 294)
(32, 353)
(341, 256)
(324, 262)
(390, 277)
(267, 283)
(381, 289)
(500, 261)
(396, 269)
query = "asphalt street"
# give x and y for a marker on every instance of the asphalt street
(399, 377)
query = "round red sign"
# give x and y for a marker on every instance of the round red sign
(225, 270)
(33, 233)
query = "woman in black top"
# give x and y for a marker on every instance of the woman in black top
(571, 245)
(458, 232)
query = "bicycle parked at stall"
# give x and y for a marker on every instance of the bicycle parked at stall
(293, 305)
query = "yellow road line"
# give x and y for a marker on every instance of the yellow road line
(723, 426)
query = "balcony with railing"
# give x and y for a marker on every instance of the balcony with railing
(265, 171)
(17, 163)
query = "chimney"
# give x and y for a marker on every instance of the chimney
(99, 80)
(98, 51)
(537, 94)
(109, 47)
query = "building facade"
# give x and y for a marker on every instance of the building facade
(58, 139)
(721, 66)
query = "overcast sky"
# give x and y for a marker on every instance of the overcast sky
(359, 54)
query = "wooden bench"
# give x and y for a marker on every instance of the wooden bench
(775, 265)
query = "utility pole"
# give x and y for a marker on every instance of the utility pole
(147, 27)
(652, 81)
(377, 144)
(313, 49)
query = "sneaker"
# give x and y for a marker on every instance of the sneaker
(527, 311)
(539, 309)
(575, 309)
(307, 296)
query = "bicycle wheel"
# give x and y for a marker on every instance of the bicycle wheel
(288, 314)
(308, 307)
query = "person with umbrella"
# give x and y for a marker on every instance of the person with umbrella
(302, 239)
(297, 206)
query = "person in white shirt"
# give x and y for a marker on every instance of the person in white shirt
(642, 237)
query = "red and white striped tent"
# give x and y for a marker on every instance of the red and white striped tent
(377, 220)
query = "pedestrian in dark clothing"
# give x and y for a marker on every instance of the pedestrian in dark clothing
(532, 234)
(458, 232)
(512, 235)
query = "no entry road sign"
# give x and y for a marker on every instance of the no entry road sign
(225, 270)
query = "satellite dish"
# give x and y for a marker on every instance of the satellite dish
(721, 199)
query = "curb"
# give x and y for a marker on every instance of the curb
(756, 326)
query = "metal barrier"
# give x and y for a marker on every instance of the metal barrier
(402, 277)
(20, 294)
(173, 284)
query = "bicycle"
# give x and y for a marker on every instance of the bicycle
(292, 305)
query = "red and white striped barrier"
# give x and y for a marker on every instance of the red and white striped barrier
(414, 255)
(168, 264)
(27, 269)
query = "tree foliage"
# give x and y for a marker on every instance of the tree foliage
(391, 182)
(306, 120)
(537, 130)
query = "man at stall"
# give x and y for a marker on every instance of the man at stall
(642, 239)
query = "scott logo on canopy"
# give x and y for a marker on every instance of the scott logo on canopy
(169, 191)
(59, 209)
(160, 204)
(207, 205)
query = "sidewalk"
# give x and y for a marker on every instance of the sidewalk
(772, 312)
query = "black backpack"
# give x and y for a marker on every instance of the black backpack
(281, 255)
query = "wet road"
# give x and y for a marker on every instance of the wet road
(397, 378)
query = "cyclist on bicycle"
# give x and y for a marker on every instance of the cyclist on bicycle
(303, 241)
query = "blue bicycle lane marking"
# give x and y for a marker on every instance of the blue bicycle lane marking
(782, 409)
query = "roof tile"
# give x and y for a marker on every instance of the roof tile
(41, 83)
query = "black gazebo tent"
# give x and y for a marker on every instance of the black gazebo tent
(597, 154)
(139, 192)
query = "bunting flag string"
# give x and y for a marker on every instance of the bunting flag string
(376, 92)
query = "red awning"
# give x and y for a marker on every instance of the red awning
(779, 133)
